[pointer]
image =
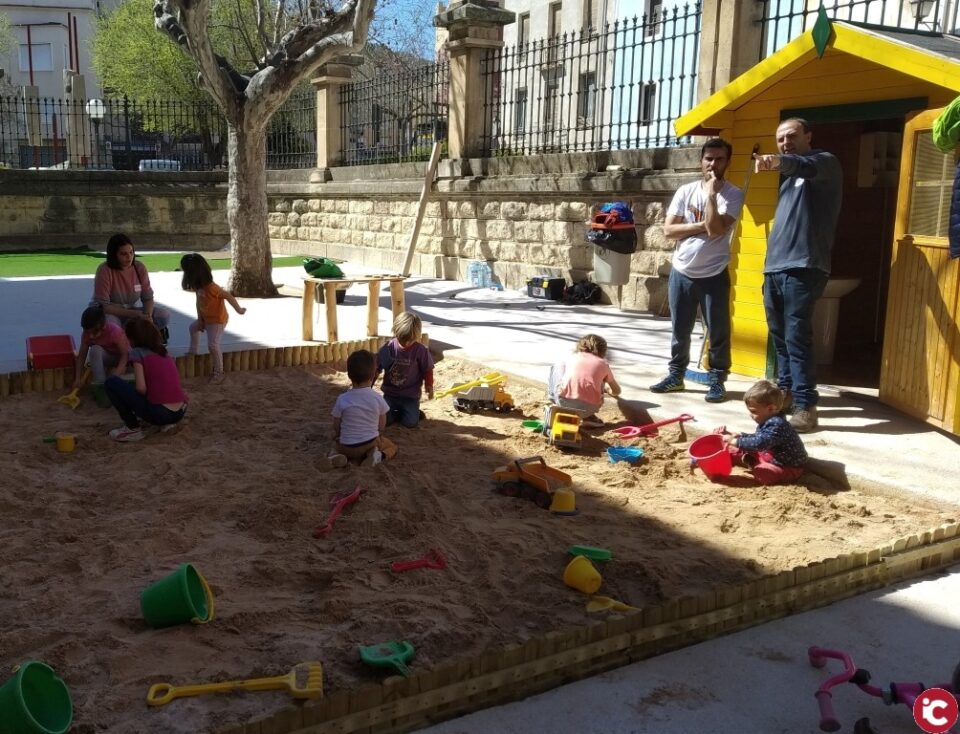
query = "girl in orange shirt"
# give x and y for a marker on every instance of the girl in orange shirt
(211, 310)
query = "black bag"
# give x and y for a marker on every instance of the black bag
(621, 240)
(583, 292)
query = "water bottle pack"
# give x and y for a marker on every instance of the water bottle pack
(479, 274)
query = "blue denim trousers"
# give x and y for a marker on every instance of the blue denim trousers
(789, 297)
(405, 411)
(712, 295)
(134, 407)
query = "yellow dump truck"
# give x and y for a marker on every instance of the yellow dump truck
(531, 479)
(486, 393)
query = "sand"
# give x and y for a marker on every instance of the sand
(238, 493)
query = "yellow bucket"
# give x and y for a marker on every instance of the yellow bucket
(582, 575)
(564, 502)
(66, 442)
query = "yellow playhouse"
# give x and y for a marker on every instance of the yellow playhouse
(889, 319)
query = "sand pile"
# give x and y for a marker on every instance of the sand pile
(237, 493)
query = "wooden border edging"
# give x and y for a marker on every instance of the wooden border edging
(198, 365)
(403, 704)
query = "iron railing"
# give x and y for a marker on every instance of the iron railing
(616, 87)
(119, 133)
(395, 116)
(784, 20)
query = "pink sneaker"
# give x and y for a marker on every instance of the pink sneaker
(126, 435)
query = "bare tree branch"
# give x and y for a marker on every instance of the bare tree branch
(186, 21)
(241, 30)
(261, 27)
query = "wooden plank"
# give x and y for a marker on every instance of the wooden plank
(330, 301)
(308, 297)
(428, 177)
(373, 307)
(397, 303)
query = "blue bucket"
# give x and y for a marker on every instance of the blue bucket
(629, 454)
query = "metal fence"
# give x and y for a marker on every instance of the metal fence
(119, 133)
(784, 20)
(616, 87)
(395, 116)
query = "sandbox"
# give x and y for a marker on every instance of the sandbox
(238, 493)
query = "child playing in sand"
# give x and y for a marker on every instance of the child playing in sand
(407, 365)
(104, 347)
(579, 382)
(774, 453)
(157, 396)
(359, 416)
(211, 309)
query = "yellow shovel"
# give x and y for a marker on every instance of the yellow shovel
(303, 681)
(72, 399)
(602, 603)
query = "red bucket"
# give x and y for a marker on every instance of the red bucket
(712, 455)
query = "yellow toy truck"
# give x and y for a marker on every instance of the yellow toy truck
(531, 479)
(562, 428)
(486, 393)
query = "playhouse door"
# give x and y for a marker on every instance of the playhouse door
(920, 371)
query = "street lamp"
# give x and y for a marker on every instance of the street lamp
(921, 8)
(96, 109)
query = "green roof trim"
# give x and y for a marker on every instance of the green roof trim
(858, 111)
(821, 32)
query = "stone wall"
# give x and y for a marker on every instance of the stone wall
(526, 216)
(64, 209)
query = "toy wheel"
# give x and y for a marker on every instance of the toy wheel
(527, 492)
(459, 406)
(510, 489)
(543, 500)
(506, 408)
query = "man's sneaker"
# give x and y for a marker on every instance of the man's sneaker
(670, 383)
(716, 393)
(126, 435)
(804, 420)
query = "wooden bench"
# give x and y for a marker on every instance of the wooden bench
(330, 300)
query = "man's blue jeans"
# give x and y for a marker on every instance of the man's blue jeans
(712, 295)
(789, 297)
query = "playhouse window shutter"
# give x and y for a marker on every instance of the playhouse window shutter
(932, 184)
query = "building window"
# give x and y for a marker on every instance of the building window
(653, 18)
(554, 24)
(589, 19)
(523, 32)
(586, 99)
(520, 110)
(648, 100)
(550, 105)
(42, 54)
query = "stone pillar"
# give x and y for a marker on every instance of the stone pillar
(330, 78)
(730, 43)
(473, 27)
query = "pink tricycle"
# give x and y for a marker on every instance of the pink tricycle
(905, 693)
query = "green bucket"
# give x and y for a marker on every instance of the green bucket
(35, 701)
(183, 596)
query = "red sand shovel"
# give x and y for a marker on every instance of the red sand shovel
(339, 502)
(650, 429)
(433, 559)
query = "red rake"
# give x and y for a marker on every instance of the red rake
(339, 502)
(650, 429)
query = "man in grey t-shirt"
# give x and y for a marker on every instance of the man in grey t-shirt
(700, 218)
(797, 264)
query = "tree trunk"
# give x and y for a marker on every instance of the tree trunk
(252, 269)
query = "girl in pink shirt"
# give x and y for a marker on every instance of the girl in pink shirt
(156, 398)
(579, 382)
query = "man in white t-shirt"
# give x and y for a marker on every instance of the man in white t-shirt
(700, 219)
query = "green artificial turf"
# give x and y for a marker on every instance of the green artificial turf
(85, 262)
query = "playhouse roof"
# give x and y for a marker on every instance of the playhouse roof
(932, 58)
